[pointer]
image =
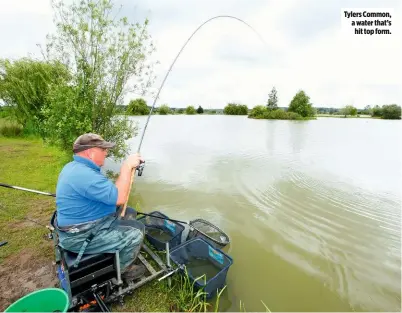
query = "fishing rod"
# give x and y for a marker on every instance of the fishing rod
(26, 189)
(141, 166)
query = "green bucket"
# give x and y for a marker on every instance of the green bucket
(44, 300)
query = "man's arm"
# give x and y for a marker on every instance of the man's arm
(123, 181)
(123, 184)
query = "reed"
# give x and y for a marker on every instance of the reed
(189, 297)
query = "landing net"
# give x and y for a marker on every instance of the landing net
(209, 232)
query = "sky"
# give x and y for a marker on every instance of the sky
(297, 45)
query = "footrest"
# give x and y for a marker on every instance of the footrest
(144, 279)
(147, 264)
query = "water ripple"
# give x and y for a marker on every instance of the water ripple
(335, 231)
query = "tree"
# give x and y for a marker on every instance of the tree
(272, 103)
(138, 107)
(25, 86)
(332, 111)
(349, 110)
(391, 112)
(258, 111)
(180, 111)
(200, 110)
(376, 111)
(367, 110)
(301, 104)
(235, 109)
(190, 110)
(164, 110)
(107, 57)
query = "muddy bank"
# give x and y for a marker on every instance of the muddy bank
(23, 273)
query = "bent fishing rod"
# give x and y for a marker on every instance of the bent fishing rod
(177, 56)
(140, 168)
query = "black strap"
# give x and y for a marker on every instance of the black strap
(84, 246)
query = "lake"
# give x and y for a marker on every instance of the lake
(312, 208)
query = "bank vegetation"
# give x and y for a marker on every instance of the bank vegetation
(90, 62)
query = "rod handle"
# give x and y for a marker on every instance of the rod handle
(123, 212)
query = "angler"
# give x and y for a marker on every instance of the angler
(87, 219)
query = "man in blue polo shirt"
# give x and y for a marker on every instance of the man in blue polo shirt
(87, 202)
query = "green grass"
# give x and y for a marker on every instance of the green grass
(31, 165)
(152, 297)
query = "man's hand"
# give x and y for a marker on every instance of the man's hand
(123, 181)
(133, 160)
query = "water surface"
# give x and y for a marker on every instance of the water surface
(312, 208)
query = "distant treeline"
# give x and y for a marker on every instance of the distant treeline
(300, 108)
(387, 111)
(140, 107)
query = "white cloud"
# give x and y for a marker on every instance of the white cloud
(333, 68)
(306, 48)
(24, 23)
(21, 6)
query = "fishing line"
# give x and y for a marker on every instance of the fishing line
(174, 61)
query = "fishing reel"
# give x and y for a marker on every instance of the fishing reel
(140, 168)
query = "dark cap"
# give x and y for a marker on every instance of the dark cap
(87, 141)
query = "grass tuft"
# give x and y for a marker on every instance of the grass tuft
(9, 128)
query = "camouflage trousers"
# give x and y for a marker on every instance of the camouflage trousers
(109, 234)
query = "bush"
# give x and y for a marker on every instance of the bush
(235, 109)
(138, 107)
(262, 112)
(7, 112)
(282, 115)
(391, 112)
(25, 85)
(190, 110)
(164, 110)
(349, 110)
(258, 112)
(66, 117)
(376, 111)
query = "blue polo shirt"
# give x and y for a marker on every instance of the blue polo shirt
(83, 193)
